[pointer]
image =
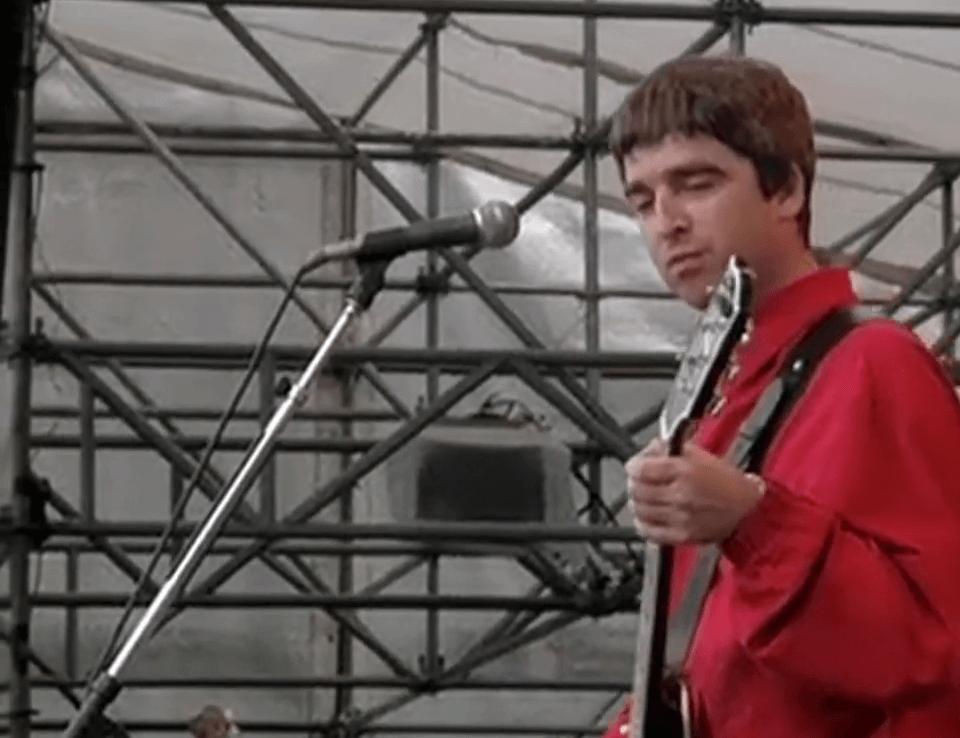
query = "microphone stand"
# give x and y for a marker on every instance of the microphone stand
(106, 687)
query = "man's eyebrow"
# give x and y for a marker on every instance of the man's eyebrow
(693, 169)
(635, 187)
(682, 171)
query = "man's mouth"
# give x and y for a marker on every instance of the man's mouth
(683, 260)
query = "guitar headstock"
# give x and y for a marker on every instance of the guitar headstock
(717, 332)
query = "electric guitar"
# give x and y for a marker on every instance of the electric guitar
(653, 712)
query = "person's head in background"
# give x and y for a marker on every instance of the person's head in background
(213, 722)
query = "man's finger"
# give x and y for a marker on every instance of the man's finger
(653, 449)
(656, 447)
(650, 493)
(653, 513)
(657, 470)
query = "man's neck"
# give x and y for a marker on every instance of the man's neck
(790, 265)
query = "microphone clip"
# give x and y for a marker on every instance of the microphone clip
(431, 284)
(368, 283)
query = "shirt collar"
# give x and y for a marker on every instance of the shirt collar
(782, 317)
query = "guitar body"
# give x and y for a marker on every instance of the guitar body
(660, 707)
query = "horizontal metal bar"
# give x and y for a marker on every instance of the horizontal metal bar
(220, 134)
(421, 531)
(648, 370)
(850, 17)
(265, 600)
(160, 354)
(321, 152)
(368, 682)
(302, 548)
(626, 9)
(209, 413)
(194, 443)
(300, 139)
(346, 445)
(251, 281)
(892, 153)
(604, 8)
(324, 728)
(133, 279)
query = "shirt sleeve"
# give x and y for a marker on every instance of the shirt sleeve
(620, 724)
(843, 572)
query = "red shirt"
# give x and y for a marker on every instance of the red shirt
(835, 612)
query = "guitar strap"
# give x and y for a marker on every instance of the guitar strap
(747, 452)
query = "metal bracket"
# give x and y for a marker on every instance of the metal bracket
(749, 12)
(431, 284)
(38, 493)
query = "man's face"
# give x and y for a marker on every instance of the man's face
(700, 203)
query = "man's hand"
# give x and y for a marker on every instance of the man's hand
(692, 498)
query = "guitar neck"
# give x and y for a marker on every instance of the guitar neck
(651, 639)
(653, 621)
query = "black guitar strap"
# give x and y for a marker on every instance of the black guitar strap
(748, 451)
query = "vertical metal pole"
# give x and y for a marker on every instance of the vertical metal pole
(431, 660)
(738, 32)
(345, 583)
(176, 492)
(591, 238)
(345, 578)
(268, 477)
(949, 269)
(88, 454)
(431, 31)
(71, 625)
(21, 262)
(88, 512)
(18, 36)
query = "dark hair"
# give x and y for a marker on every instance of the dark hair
(748, 105)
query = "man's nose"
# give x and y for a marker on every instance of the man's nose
(668, 218)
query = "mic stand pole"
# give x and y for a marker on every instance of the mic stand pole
(107, 685)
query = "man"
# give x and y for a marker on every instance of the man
(835, 606)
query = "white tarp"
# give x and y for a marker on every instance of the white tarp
(514, 75)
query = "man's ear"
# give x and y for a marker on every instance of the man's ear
(792, 196)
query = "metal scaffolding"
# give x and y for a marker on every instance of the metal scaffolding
(567, 380)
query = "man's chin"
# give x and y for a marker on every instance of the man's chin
(695, 295)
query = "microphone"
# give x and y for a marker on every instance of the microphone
(492, 225)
